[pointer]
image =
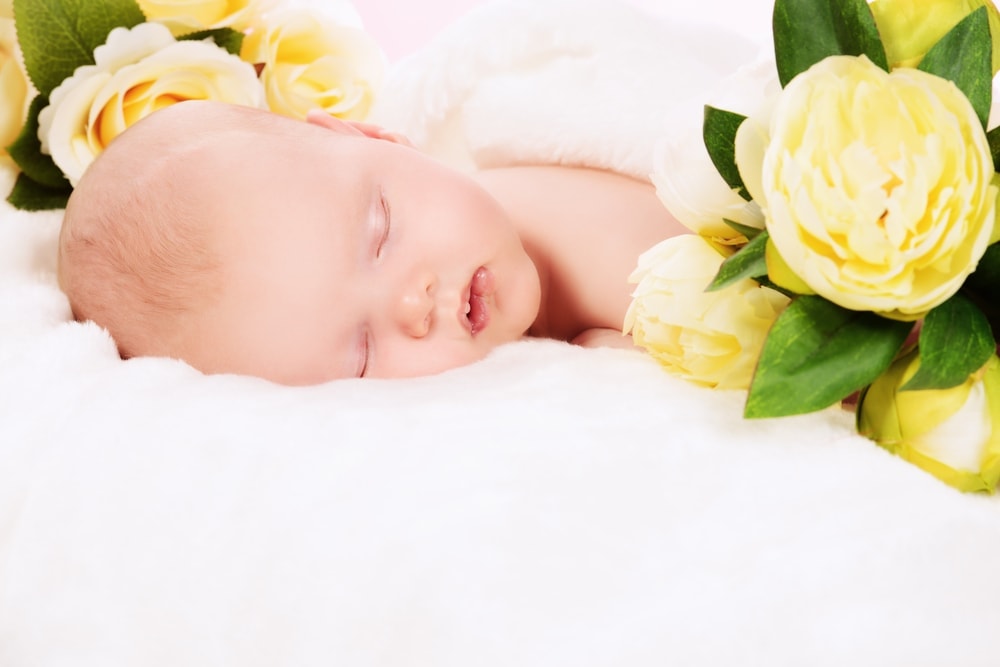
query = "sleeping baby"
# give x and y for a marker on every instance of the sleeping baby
(245, 242)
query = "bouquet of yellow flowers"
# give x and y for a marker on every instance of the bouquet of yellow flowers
(852, 251)
(74, 74)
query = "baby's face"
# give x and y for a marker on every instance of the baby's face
(349, 256)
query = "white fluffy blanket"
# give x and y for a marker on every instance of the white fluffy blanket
(548, 506)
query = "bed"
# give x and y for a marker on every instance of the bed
(550, 505)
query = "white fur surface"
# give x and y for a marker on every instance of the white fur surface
(548, 506)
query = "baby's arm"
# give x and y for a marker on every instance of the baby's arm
(604, 338)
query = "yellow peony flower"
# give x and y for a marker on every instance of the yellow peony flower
(712, 338)
(877, 187)
(137, 72)
(186, 16)
(909, 28)
(951, 433)
(14, 87)
(312, 61)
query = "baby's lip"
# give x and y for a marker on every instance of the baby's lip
(475, 307)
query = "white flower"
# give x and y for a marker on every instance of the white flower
(688, 183)
(137, 72)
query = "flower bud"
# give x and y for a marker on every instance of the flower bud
(711, 338)
(909, 28)
(950, 433)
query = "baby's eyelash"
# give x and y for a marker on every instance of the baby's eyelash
(387, 222)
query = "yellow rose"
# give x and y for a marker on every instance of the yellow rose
(950, 433)
(876, 186)
(14, 88)
(312, 61)
(186, 16)
(909, 28)
(712, 338)
(137, 71)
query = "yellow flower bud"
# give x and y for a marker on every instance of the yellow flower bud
(780, 273)
(711, 338)
(909, 28)
(950, 433)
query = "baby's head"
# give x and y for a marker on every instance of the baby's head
(245, 242)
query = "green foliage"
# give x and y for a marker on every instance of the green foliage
(994, 139)
(27, 151)
(719, 132)
(745, 230)
(955, 341)
(748, 262)
(807, 31)
(985, 280)
(817, 353)
(963, 56)
(29, 195)
(57, 36)
(226, 38)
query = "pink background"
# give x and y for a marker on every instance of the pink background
(402, 26)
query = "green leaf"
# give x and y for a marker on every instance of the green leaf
(963, 56)
(807, 31)
(57, 36)
(745, 230)
(27, 151)
(817, 353)
(994, 138)
(985, 280)
(719, 132)
(226, 38)
(983, 286)
(29, 195)
(748, 262)
(955, 341)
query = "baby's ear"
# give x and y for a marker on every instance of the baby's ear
(325, 120)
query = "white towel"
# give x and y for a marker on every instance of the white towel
(548, 506)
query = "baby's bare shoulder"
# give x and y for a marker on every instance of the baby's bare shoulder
(585, 228)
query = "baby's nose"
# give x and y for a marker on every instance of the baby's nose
(416, 305)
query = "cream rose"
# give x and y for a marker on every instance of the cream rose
(186, 16)
(14, 87)
(712, 338)
(137, 71)
(312, 61)
(876, 186)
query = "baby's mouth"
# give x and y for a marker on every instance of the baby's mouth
(481, 288)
